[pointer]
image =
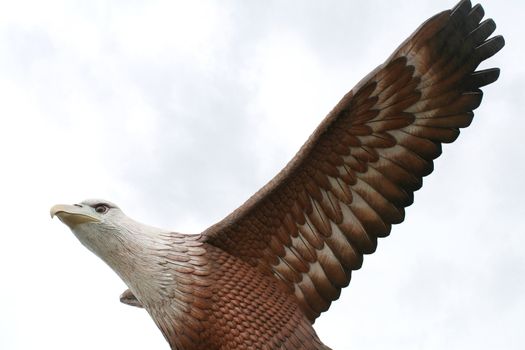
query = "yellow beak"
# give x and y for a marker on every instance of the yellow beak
(72, 215)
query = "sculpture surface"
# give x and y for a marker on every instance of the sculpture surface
(259, 278)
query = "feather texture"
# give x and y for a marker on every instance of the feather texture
(353, 178)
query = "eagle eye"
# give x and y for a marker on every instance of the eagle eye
(101, 208)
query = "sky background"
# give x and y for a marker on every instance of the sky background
(178, 112)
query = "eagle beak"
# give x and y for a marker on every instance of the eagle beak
(72, 215)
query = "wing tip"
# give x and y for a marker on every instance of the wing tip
(490, 47)
(462, 8)
(483, 77)
(478, 11)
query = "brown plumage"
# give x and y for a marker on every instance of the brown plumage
(259, 278)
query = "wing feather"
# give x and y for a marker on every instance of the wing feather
(311, 225)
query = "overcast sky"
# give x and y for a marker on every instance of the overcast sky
(178, 112)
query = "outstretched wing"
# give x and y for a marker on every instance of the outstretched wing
(312, 223)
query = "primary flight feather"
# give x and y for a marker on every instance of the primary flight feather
(259, 278)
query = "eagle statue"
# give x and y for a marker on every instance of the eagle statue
(259, 278)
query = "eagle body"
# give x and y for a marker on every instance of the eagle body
(259, 278)
(209, 306)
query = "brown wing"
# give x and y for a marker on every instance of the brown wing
(311, 224)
